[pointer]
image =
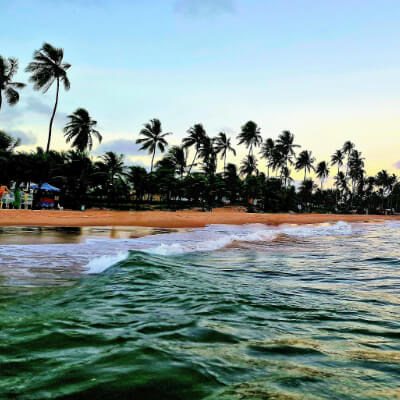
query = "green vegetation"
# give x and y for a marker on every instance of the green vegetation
(175, 180)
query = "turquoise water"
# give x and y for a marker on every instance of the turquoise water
(219, 313)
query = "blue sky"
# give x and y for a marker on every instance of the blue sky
(326, 70)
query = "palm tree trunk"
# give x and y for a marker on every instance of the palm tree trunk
(1, 99)
(52, 116)
(152, 160)
(305, 174)
(194, 159)
(225, 163)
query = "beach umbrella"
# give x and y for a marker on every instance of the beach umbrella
(46, 186)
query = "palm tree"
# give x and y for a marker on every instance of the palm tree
(153, 138)
(337, 159)
(177, 157)
(322, 172)
(286, 175)
(286, 146)
(249, 165)
(305, 161)
(356, 167)
(48, 67)
(8, 143)
(81, 130)
(8, 68)
(196, 137)
(267, 151)
(250, 136)
(223, 145)
(347, 149)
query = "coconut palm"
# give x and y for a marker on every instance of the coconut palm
(267, 151)
(223, 146)
(286, 146)
(347, 149)
(196, 137)
(286, 172)
(153, 138)
(337, 159)
(8, 143)
(249, 165)
(177, 157)
(8, 68)
(48, 67)
(81, 130)
(305, 161)
(322, 172)
(250, 136)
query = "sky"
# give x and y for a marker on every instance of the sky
(328, 71)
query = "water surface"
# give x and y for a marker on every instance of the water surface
(223, 312)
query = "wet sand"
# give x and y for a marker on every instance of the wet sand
(169, 219)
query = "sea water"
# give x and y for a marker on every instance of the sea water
(223, 312)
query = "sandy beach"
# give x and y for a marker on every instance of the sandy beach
(169, 219)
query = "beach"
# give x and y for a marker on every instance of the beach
(170, 219)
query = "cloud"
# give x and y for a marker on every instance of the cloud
(397, 164)
(34, 105)
(29, 104)
(27, 138)
(204, 7)
(124, 146)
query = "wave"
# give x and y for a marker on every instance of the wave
(220, 236)
(100, 264)
(97, 254)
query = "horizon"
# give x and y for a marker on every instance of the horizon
(219, 63)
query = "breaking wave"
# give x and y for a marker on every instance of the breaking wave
(96, 255)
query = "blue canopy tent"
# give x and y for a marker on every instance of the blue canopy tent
(46, 186)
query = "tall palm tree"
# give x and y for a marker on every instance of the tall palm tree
(196, 137)
(322, 172)
(347, 149)
(8, 68)
(153, 138)
(286, 146)
(249, 165)
(305, 161)
(267, 152)
(81, 130)
(223, 145)
(337, 159)
(250, 136)
(48, 67)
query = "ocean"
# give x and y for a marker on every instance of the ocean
(222, 312)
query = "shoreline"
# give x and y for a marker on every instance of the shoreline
(170, 219)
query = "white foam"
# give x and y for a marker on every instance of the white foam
(96, 255)
(100, 264)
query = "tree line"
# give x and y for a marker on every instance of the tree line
(175, 180)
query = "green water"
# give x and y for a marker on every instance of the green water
(298, 317)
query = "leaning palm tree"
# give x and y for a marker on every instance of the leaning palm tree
(223, 145)
(249, 165)
(267, 152)
(81, 130)
(305, 161)
(48, 67)
(153, 138)
(337, 159)
(322, 172)
(197, 136)
(250, 136)
(8, 68)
